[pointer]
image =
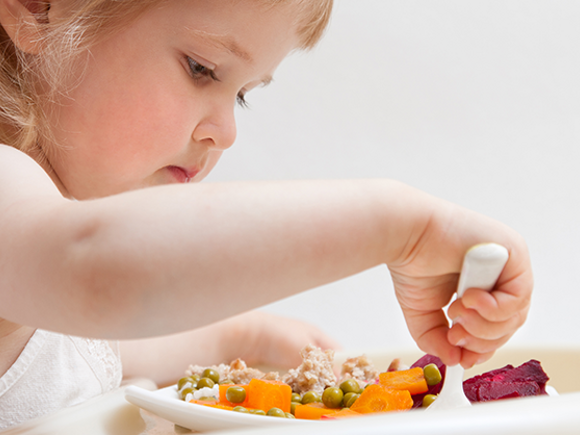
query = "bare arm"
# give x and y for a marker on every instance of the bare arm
(136, 264)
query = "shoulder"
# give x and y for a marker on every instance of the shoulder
(6, 151)
(10, 156)
(20, 175)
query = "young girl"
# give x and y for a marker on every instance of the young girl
(111, 112)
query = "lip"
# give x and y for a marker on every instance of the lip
(182, 175)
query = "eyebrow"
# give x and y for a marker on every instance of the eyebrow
(223, 42)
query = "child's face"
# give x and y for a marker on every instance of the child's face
(149, 111)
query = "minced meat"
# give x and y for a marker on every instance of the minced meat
(314, 374)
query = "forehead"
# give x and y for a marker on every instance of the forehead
(241, 27)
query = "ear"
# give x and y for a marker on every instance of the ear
(21, 24)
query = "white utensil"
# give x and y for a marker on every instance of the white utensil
(482, 266)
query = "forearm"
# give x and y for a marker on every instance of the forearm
(168, 259)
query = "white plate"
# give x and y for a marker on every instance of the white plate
(496, 417)
(166, 403)
(542, 415)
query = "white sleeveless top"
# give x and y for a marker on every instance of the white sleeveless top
(55, 371)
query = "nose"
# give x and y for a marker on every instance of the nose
(217, 127)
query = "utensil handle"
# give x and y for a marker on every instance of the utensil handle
(482, 266)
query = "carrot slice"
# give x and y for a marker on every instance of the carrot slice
(313, 411)
(211, 402)
(216, 405)
(378, 398)
(412, 380)
(343, 413)
(264, 394)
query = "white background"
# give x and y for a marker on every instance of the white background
(477, 102)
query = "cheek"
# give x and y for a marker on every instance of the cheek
(135, 122)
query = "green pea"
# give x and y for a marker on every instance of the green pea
(205, 382)
(429, 399)
(189, 384)
(432, 374)
(182, 382)
(293, 406)
(276, 412)
(311, 397)
(195, 378)
(226, 382)
(241, 409)
(212, 374)
(349, 399)
(296, 397)
(236, 394)
(257, 412)
(183, 393)
(288, 415)
(332, 397)
(350, 386)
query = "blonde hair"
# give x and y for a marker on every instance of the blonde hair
(23, 122)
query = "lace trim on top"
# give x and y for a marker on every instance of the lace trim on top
(104, 359)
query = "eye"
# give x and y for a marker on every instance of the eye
(199, 71)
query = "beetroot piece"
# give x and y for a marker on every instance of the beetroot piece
(433, 389)
(529, 379)
(504, 390)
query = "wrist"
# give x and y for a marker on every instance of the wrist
(409, 218)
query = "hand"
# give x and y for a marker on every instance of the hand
(425, 278)
(260, 338)
(256, 337)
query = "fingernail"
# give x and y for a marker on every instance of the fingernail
(461, 343)
(458, 320)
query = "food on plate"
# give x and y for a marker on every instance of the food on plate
(528, 379)
(433, 390)
(315, 373)
(412, 380)
(362, 368)
(379, 398)
(312, 390)
(237, 372)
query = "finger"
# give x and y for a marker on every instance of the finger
(512, 292)
(479, 327)
(458, 336)
(495, 306)
(469, 359)
(429, 330)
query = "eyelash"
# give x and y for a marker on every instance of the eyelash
(198, 71)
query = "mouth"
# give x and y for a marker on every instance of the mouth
(181, 175)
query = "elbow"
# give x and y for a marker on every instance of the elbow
(103, 284)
